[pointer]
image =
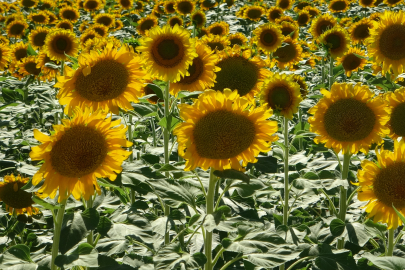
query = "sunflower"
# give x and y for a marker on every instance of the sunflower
(282, 94)
(19, 51)
(216, 43)
(39, 18)
(16, 28)
(65, 24)
(303, 18)
(184, 7)
(268, 37)
(82, 149)
(301, 5)
(237, 39)
(336, 40)
(4, 40)
(47, 4)
(60, 42)
(69, 13)
(289, 30)
(352, 60)
(377, 3)
(167, 52)
(28, 3)
(383, 184)
(13, 17)
(360, 30)
(345, 22)
(240, 70)
(313, 11)
(175, 20)
(48, 72)
(139, 6)
(229, 3)
(339, 6)
(376, 16)
(118, 24)
(37, 37)
(92, 5)
(396, 101)
(198, 17)
(386, 44)
(219, 131)
(288, 55)
(254, 13)
(348, 118)
(88, 35)
(101, 29)
(126, 4)
(274, 13)
(202, 72)
(52, 17)
(169, 7)
(284, 4)
(322, 24)
(207, 4)
(392, 3)
(367, 3)
(28, 66)
(5, 55)
(219, 28)
(202, 32)
(146, 23)
(109, 80)
(15, 198)
(105, 19)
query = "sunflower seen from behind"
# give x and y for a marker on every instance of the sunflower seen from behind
(167, 52)
(382, 185)
(108, 80)
(282, 94)
(60, 42)
(322, 24)
(386, 44)
(15, 199)
(396, 123)
(349, 118)
(81, 149)
(202, 72)
(220, 131)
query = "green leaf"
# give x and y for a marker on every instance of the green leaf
(337, 227)
(169, 122)
(104, 225)
(399, 214)
(193, 219)
(248, 190)
(151, 159)
(386, 263)
(233, 174)
(31, 51)
(274, 257)
(144, 109)
(264, 164)
(72, 233)
(13, 104)
(158, 91)
(168, 168)
(162, 225)
(91, 218)
(326, 259)
(44, 204)
(10, 95)
(171, 257)
(21, 252)
(84, 255)
(186, 94)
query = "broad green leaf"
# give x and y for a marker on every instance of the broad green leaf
(91, 218)
(84, 255)
(104, 225)
(337, 227)
(274, 257)
(171, 256)
(399, 214)
(144, 109)
(31, 51)
(326, 259)
(233, 174)
(72, 233)
(386, 263)
(158, 91)
(169, 122)
(44, 204)
(21, 252)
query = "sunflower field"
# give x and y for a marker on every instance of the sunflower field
(202, 134)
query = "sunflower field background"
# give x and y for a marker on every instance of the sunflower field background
(209, 134)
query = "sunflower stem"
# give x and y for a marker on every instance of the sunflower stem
(343, 195)
(62, 67)
(90, 236)
(130, 137)
(166, 138)
(300, 140)
(323, 69)
(210, 210)
(330, 72)
(286, 182)
(56, 233)
(391, 244)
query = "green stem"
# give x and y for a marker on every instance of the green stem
(210, 210)
(152, 123)
(130, 137)
(343, 196)
(300, 142)
(62, 67)
(286, 182)
(390, 242)
(90, 236)
(300, 260)
(231, 262)
(330, 72)
(323, 69)
(56, 233)
(166, 138)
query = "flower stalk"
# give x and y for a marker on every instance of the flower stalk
(56, 233)
(166, 138)
(343, 196)
(210, 210)
(391, 243)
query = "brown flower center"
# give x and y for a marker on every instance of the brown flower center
(397, 120)
(107, 80)
(286, 53)
(17, 29)
(279, 97)
(222, 134)
(31, 68)
(254, 13)
(185, 7)
(12, 195)
(168, 52)
(392, 42)
(349, 120)
(39, 39)
(80, 151)
(389, 185)
(338, 6)
(351, 62)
